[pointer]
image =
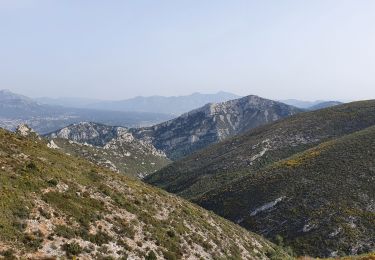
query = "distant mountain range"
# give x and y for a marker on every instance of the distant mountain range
(17, 109)
(175, 105)
(72, 102)
(311, 105)
(306, 180)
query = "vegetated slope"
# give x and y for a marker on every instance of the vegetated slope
(370, 256)
(246, 154)
(320, 201)
(176, 105)
(212, 123)
(17, 109)
(109, 146)
(54, 205)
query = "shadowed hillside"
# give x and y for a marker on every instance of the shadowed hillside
(320, 201)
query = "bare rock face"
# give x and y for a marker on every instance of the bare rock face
(212, 123)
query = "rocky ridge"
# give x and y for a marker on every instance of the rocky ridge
(212, 123)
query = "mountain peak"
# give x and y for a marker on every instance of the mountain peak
(212, 123)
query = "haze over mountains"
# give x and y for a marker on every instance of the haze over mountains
(175, 105)
(47, 115)
(17, 109)
(310, 105)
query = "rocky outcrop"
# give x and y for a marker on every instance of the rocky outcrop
(24, 130)
(112, 147)
(87, 132)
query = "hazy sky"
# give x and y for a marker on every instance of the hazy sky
(316, 49)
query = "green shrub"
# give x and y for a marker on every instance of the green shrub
(44, 213)
(100, 238)
(21, 212)
(169, 255)
(53, 182)
(33, 241)
(8, 254)
(171, 233)
(151, 256)
(72, 249)
(31, 166)
(64, 231)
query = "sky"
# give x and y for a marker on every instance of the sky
(118, 49)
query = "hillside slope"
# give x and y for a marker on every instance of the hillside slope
(54, 205)
(212, 123)
(244, 155)
(321, 201)
(109, 146)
